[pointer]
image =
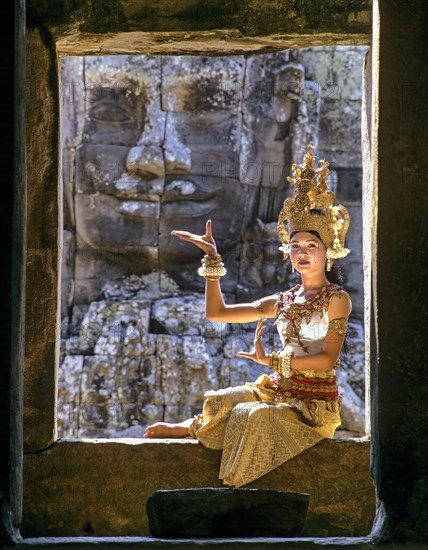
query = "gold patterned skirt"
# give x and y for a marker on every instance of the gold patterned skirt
(263, 424)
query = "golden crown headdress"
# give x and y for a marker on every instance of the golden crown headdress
(312, 208)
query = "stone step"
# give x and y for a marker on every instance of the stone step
(218, 512)
(238, 543)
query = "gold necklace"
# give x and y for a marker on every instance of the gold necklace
(293, 314)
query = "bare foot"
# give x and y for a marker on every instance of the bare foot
(168, 429)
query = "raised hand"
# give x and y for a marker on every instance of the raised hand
(258, 353)
(205, 242)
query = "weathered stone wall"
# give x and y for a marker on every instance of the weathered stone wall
(252, 18)
(43, 245)
(152, 144)
(399, 381)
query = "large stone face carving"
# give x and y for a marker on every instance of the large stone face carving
(144, 168)
(152, 144)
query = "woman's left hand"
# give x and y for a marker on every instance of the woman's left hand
(258, 353)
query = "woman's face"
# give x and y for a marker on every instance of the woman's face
(307, 253)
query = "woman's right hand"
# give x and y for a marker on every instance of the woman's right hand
(205, 242)
(258, 353)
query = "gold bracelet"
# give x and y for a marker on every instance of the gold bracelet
(274, 361)
(280, 361)
(211, 260)
(286, 357)
(212, 267)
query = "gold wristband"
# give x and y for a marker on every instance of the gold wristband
(274, 361)
(286, 357)
(280, 361)
(212, 267)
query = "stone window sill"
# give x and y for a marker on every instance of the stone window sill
(99, 487)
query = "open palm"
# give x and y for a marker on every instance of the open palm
(205, 242)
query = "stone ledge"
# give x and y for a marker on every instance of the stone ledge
(206, 43)
(259, 543)
(100, 487)
(333, 543)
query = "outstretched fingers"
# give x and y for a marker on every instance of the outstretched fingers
(184, 234)
(208, 230)
(261, 325)
(257, 353)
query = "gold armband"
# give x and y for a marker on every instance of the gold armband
(258, 305)
(280, 361)
(338, 324)
(212, 267)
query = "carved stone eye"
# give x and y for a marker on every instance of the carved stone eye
(110, 112)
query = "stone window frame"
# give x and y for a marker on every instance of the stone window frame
(38, 411)
(44, 245)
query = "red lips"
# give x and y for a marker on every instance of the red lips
(303, 262)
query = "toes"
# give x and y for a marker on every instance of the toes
(150, 431)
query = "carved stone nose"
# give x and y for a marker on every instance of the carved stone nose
(146, 161)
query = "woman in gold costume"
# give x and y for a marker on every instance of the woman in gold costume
(262, 424)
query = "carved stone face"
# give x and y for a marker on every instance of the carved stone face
(145, 168)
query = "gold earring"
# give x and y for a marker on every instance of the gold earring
(292, 268)
(329, 264)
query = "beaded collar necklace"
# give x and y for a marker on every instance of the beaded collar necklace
(293, 314)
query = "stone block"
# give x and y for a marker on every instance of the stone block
(184, 371)
(115, 226)
(312, 98)
(69, 187)
(102, 268)
(260, 82)
(214, 512)
(68, 406)
(169, 379)
(349, 185)
(135, 173)
(261, 268)
(121, 93)
(115, 328)
(135, 287)
(345, 150)
(198, 83)
(114, 393)
(72, 100)
(338, 70)
(199, 370)
(265, 154)
(68, 251)
(211, 140)
(352, 362)
(180, 316)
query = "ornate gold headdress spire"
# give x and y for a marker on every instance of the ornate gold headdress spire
(312, 208)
